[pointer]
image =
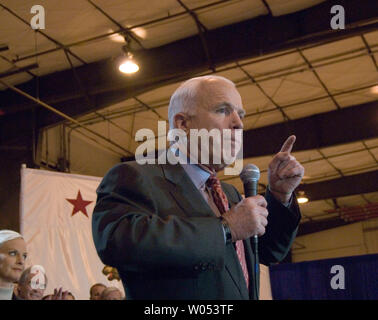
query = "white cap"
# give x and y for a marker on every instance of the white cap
(7, 235)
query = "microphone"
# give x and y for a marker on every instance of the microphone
(250, 176)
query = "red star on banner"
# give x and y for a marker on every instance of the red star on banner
(79, 204)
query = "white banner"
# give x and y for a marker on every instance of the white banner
(55, 219)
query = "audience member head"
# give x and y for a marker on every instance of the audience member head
(31, 286)
(96, 291)
(60, 294)
(70, 296)
(12, 257)
(111, 293)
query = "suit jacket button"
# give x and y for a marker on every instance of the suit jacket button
(196, 267)
(204, 266)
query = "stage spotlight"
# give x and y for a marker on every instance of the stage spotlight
(374, 89)
(128, 64)
(302, 198)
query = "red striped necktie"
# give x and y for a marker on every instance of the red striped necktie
(221, 202)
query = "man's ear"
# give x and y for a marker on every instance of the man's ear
(182, 121)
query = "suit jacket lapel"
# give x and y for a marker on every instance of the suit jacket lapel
(187, 196)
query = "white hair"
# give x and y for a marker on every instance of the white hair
(184, 99)
(109, 290)
(24, 276)
(7, 235)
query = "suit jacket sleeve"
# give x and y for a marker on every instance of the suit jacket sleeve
(281, 230)
(132, 233)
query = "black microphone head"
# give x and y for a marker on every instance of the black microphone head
(250, 172)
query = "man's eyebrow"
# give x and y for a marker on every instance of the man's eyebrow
(225, 104)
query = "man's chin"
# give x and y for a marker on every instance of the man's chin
(216, 167)
(219, 167)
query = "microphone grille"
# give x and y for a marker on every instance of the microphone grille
(250, 172)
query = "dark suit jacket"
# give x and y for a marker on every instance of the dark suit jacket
(155, 227)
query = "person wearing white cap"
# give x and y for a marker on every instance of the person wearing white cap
(12, 261)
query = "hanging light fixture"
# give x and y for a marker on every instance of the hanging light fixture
(127, 63)
(302, 198)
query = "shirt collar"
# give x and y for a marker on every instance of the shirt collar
(198, 175)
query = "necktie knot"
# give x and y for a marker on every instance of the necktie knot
(217, 193)
(213, 182)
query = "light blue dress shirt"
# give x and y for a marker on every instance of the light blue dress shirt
(199, 177)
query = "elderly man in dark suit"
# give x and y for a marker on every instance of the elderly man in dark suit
(175, 231)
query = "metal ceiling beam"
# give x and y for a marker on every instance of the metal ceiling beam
(121, 30)
(88, 98)
(15, 66)
(18, 70)
(368, 48)
(202, 31)
(253, 80)
(330, 223)
(4, 47)
(64, 116)
(181, 59)
(321, 225)
(335, 173)
(342, 187)
(124, 30)
(267, 7)
(315, 73)
(318, 131)
(347, 125)
(57, 43)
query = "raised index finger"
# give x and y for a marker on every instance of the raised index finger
(288, 144)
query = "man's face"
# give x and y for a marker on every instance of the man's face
(96, 292)
(12, 260)
(219, 107)
(26, 292)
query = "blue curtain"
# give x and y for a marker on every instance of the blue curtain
(311, 280)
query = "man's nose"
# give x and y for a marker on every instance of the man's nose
(237, 122)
